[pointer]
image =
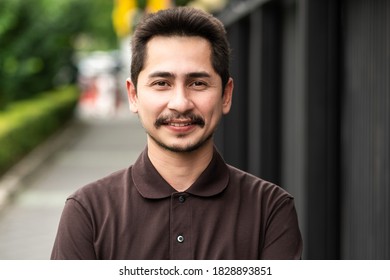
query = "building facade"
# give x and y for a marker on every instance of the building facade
(311, 112)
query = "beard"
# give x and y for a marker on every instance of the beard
(178, 149)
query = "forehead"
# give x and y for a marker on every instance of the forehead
(178, 52)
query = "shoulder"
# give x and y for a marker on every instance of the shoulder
(261, 196)
(256, 187)
(109, 188)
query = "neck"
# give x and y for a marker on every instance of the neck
(180, 170)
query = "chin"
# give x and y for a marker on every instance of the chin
(185, 148)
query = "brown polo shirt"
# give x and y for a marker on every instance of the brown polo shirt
(136, 214)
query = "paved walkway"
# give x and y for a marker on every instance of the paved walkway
(82, 152)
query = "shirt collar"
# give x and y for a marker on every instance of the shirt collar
(149, 183)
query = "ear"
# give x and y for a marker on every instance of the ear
(227, 96)
(132, 96)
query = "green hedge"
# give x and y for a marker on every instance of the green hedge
(25, 124)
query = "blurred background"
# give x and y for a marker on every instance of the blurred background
(310, 111)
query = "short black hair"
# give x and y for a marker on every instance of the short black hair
(181, 21)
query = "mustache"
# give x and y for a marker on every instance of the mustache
(165, 119)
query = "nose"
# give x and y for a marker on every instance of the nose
(180, 100)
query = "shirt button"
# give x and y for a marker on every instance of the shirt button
(182, 199)
(180, 238)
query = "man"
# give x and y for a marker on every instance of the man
(179, 200)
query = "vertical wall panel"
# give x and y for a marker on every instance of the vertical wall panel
(322, 120)
(255, 92)
(294, 109)
(365, 130)
(235, 124)
(264, 94)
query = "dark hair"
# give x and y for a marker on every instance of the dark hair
(181, 21)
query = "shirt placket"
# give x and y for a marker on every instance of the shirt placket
(180, 227)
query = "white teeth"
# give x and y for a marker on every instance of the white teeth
(179, 124)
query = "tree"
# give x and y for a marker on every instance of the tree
(38, 40)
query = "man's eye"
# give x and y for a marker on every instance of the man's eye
(199, 85)
(160, 84)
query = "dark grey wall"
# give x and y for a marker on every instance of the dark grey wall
(365, 130)
(311, 113)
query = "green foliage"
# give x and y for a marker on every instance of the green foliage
(25, 123)
(38, 40)
(182, 2)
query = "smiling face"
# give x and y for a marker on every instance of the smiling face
(179, 97)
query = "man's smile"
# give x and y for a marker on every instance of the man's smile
(179, 124)
(180, 121)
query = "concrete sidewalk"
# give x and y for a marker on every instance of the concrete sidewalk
(83, 152)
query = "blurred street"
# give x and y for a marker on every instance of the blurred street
(88, 149)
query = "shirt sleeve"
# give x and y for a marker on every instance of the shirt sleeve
(74, 240)
(283, 238)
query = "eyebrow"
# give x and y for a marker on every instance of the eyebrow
(201, 74)
(163, 74)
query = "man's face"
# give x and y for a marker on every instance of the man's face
(179, 95)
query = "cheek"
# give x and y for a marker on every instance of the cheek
(150, 107)
(213, 113)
